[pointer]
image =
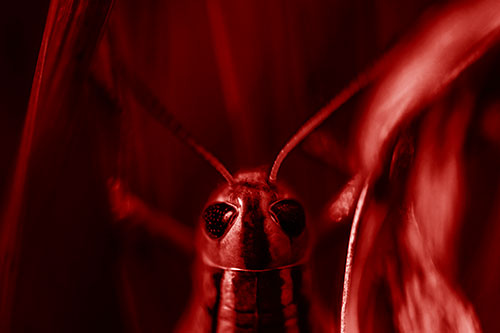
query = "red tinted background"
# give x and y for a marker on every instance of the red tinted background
(242, 78)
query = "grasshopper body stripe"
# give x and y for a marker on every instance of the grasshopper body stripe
(248, 301)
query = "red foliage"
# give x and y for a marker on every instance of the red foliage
(421, 130)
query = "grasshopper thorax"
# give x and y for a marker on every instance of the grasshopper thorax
(252, 224)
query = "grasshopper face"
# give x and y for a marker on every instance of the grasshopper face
(253, 225)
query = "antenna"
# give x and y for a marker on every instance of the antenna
(145, 97)
(356, 85)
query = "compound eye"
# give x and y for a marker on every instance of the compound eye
(290, 216)
(217, 218)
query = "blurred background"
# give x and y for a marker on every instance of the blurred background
(242, 77)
